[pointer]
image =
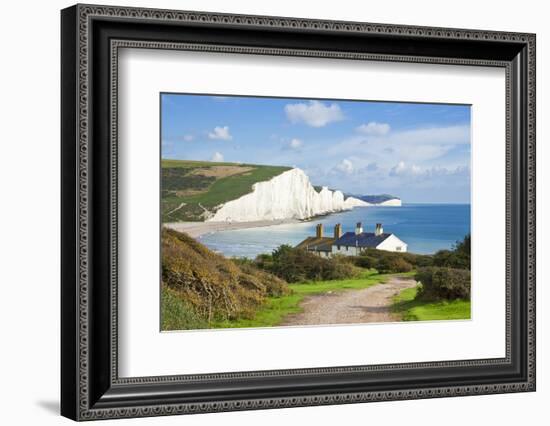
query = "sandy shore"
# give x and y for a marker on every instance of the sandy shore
(196, 229)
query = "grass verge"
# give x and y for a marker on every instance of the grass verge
(176, 314)
(411, 309)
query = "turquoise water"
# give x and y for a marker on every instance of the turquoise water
(426, 228)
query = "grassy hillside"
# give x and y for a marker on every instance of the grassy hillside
(190, 189)
(200, 286)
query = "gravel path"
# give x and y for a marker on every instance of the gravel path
(371, 304)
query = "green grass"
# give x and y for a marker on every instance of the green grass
(219, 191)
(191, 164)
(176, 314)
(232, 187)
(411, 309)
(277, 308)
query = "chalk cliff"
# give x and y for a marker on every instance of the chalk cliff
(289, 195)
(394, 202)
(380, 200)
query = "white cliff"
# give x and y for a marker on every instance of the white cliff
(289, 195)
(394, 202)
(356, 202)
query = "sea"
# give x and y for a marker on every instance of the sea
(426, 228)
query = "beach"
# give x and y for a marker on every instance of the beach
(196, 229)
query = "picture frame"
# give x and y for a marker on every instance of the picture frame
(90, 385)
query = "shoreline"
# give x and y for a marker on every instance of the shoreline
(196, 229)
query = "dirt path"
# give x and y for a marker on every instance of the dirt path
(371, 304)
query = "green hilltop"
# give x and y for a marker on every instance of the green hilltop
(191, 188)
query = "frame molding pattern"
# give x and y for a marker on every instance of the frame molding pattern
(117, 44)
(85, 13)
(305, 401)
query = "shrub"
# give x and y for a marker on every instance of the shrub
(385, 261)
(443, 258)
(340, 267)
(369, 258)
(367, 262)
(295, 265)
(458, 258)
(418, 260)
(176, 314)
(391, 264)
(210, 286)
(274, 286)
(443, 283)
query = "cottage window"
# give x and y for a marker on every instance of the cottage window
(398, 248)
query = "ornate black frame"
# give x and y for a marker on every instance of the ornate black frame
(91, 37)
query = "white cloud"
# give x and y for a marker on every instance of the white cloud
(314, 113)
(399, 169)
(295, 143)
(416, 146)
(453, 135)
(374, 128)
(425, 152)
(346, 166)
(413, 171)
(402, 169)
(217, 157)
(221, 133)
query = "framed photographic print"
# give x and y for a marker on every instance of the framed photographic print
(263, 212)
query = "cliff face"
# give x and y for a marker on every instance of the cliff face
(394, 202)
(289, 195)
(381, 200)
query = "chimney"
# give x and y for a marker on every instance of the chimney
(319, 230)
(337, 230)
(358, 228)
(379, 230)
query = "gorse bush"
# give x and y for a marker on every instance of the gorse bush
(210, 286)
(296, 265)
(393, 264)
(177, 314)
(365, 261)
(443, 283)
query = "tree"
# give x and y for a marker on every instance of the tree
(458, 258)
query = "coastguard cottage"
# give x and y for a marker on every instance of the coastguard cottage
(351, 243)
(319, 244)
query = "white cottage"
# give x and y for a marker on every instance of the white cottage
(352, 243)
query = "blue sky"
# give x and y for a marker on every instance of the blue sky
(419, 152)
